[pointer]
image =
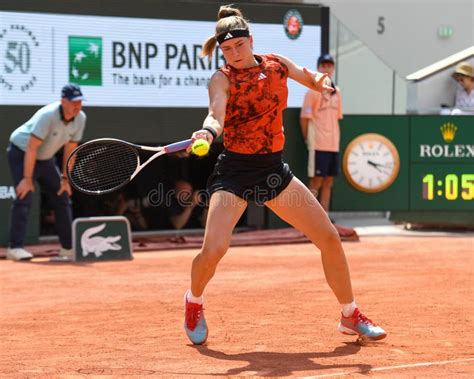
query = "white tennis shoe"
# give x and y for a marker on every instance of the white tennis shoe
(65, 253)
(18, 254)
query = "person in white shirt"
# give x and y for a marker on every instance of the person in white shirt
(31, 158)
(464, 76)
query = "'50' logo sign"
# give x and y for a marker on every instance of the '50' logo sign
(16, 46)
(18, 55)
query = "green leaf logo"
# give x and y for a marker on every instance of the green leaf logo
(85, 60)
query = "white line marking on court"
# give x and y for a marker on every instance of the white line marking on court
(421, 364)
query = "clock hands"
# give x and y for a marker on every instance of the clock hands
(378, 166)
(375, 165)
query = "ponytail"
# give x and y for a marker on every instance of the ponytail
(208, 47)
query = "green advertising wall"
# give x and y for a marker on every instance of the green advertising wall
(436, 164)
(435, 182)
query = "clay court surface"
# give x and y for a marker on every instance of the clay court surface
(269, 310)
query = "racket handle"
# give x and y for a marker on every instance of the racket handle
(178, 146)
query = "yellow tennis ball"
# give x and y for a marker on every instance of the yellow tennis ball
(200, 147)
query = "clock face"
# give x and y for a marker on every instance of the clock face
(371, 162)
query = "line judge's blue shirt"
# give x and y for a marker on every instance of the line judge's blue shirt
(47, 124)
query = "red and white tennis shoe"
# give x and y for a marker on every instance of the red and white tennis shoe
(358, 324)
(194, 322)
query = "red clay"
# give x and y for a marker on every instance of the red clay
(269, 310)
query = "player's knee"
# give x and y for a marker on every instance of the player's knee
(213, 253)
(330, 240)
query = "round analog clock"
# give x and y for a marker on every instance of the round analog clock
(371, 163)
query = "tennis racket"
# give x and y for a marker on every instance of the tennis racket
(104, 165)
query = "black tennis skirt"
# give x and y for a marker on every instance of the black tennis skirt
(252, 177)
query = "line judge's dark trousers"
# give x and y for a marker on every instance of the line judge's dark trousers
(48, 176)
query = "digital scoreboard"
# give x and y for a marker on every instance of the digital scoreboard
(442, 163)
(442, 187)
(412, 163)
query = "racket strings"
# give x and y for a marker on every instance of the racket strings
(103, 167)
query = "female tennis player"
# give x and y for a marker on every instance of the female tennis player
(246, 100)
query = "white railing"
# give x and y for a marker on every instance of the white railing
(432, 89)
(442, 65)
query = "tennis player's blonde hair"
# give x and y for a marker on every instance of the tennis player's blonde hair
(229, 19)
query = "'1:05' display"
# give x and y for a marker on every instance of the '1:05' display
(450, 186)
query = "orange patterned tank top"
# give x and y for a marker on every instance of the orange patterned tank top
(254, 114)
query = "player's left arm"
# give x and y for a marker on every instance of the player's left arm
(314, 80)
(64, 184)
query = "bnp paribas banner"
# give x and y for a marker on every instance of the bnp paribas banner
(126, 62)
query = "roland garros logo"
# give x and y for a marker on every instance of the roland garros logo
(293, 24)
(18, 48)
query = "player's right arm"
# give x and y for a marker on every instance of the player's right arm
(218, 96)
(26, 184)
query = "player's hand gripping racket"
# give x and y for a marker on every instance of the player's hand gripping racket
(106, 164)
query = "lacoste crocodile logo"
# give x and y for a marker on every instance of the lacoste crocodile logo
(97, 244)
